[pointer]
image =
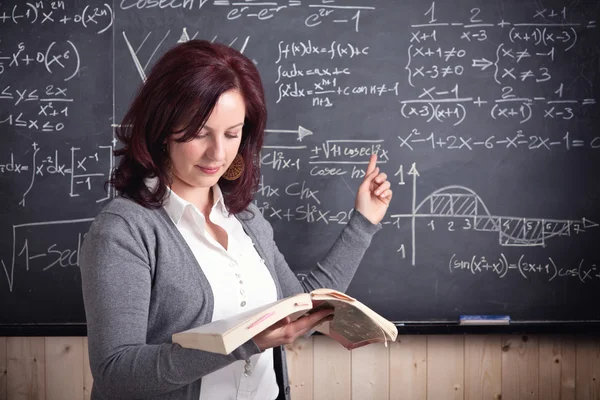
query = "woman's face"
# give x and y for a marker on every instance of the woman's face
(201, 161)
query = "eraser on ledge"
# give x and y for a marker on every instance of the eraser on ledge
(484, 320)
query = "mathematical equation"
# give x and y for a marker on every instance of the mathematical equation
(351, 152)
(517, 57)
(547, 31)
(307, 212)
(309, 48)
(336, 158)
(500, 72)
(518, 140)
(324, 11)
(35, 248)
(438, 105)
(54, 12)
(86, 172)
(501, 266)
(50, 115)
(538, 32)
(323, 91)
(328, 81)
(57, 57)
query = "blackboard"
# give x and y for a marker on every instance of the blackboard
(484, 115)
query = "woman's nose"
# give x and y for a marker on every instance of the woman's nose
(216, 150)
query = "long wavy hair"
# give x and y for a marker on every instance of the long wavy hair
(178, 96)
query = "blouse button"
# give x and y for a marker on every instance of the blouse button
(247, 368)
(242, 292)
(242, 304)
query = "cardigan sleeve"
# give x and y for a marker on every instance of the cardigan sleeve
(336, 269)
(116, 282)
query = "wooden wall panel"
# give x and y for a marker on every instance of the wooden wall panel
(3, 369)
(546, 367)
(587, 383)
(64, 368)
(300, 367)
(445, 367)
(557, 368)
(520, 367)
(332, 370)
(483, 367)
(370, 372)
(87, 373)
(408, 368)
(26, 364)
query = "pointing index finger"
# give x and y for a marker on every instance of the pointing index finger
(372, 164)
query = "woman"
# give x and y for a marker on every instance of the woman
(183, 245)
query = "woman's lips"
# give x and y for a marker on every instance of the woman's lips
(209, 171)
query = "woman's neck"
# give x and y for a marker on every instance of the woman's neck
(201, 197)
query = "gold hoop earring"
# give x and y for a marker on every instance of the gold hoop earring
(236, 168)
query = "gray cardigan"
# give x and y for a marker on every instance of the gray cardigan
(141, 283)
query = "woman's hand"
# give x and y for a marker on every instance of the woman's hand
(285, 331)
(374, 193)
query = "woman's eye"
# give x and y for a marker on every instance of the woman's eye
(201, 135)
(231, 135)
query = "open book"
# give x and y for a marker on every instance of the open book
(353, 325)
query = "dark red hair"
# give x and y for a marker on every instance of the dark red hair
(178, 96)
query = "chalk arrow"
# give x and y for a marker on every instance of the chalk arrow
(301, 131)
(184, 37)
(483, 64)
(413, 170)
(588, 224)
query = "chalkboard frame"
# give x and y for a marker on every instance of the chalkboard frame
(446, 328)
(433, 184)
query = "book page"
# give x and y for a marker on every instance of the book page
(351, 327)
